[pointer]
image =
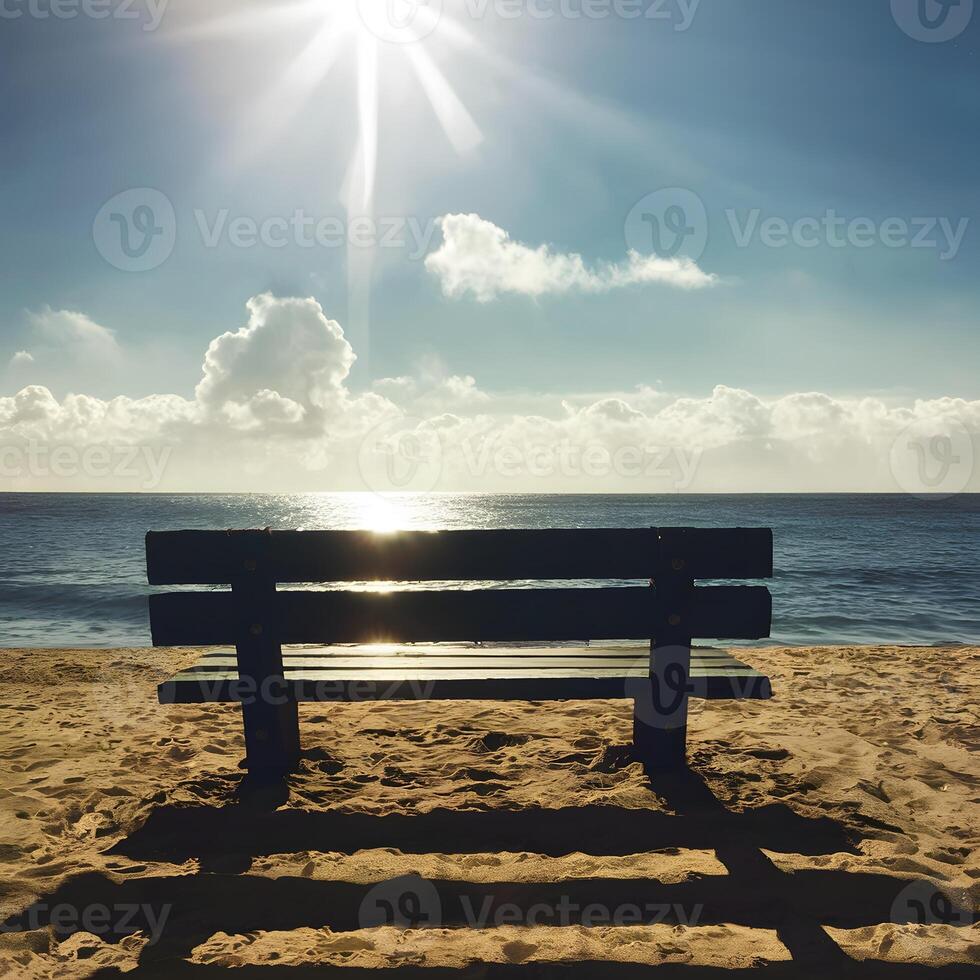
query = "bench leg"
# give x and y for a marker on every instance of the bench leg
(660, 710)
(271, 737)
(270, 716)
(658, 747)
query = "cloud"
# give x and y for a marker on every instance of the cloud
(287, 365)
(433, 389)
(273, 412)
(73, 334)
(60, 344)
(478, 258)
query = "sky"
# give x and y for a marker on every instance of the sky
(502, 245)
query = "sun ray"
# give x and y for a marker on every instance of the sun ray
(293, 90)
(250, 22)
(456, 122)
(367, 115)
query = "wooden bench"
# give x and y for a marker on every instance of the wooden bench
(258, 619)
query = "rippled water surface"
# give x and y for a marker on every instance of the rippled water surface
(849, 568)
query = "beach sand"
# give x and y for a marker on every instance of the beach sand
(815, 832)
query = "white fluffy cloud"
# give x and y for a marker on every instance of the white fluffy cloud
(273, 412)
(286, 366)
(478, 258)
(72, 334)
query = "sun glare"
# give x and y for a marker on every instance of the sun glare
(365, 34)
(380, 514)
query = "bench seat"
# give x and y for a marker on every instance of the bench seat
(419, 673)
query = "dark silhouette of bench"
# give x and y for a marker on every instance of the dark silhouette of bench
(258, 619)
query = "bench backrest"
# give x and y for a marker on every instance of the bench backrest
(253, 562)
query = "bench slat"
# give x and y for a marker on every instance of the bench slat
(514, 661)
(460, 651)
(192, 618)
(219, 557)
(569, 682)
(498, 673)
(400, 663)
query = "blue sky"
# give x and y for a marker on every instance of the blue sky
(787, 111)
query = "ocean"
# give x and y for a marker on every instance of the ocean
(849, 568)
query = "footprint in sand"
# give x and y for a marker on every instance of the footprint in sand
(773, 755)
(481, 789)
(518, 952)
(494, 741)
(477, 775)
(393, 776)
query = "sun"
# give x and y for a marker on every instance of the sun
(375, 32)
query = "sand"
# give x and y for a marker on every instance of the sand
(830, 831)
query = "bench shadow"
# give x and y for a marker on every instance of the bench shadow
(753, 893)
(253, 827)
